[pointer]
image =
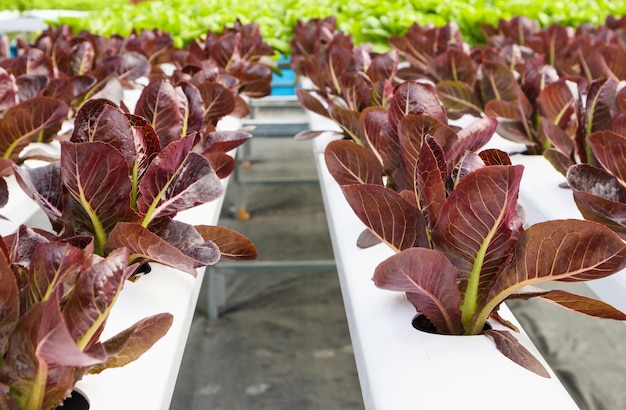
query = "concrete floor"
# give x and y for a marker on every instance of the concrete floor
(282, 340)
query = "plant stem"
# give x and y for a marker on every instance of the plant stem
(135, 186)
(97, 323)
(100, 233)
(11, 148)
(469, 304)
(149, 213)
(470, 299)
(38, 390)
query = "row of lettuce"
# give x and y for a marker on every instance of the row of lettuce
(122, 170)
(558, 91)
(366, 20)
(426, 187)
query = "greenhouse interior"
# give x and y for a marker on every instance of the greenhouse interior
(330, 205)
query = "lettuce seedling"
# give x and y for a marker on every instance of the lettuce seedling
(56, 297)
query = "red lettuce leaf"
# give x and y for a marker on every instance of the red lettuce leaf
(31, 60)
(396, 221)
(372, 121)
(429, 181)
(101, 120)
(36, 119)
(310, 102)
(232, 244)
(44, 186)
(413, 129)
(81, 58)
(563, 250)
(55, 264)
(415, 98)
(557, 103)
(223, 164)
(175, 180)
(583, 304)
(177, 245)
(599, 196)
(458, 98)
(9, 301)
(479, 225)
(8, 91)
(609, 149)
(347, 119)
(128, 345)
(350, 163)
(596, 114)
(166, 108)
(218, 101)
(31, 85)
(498, 83)
(98, 191)
(430, 281)
(225, 141)
(93, 296)
(471, 138)
(509, 346)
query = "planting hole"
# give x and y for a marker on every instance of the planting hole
(77, 401)
(422, 323)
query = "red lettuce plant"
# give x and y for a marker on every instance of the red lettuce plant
(178, 110)
(56, 297)
(513, 78)
(586, 52)
(599, 108)
(600, 190)
(312, 56)
(116, 183)
(156, 45)
(37, 119)
(346, 79)
(74, 68)
(238, 58)
(461, 245)
(435, 54)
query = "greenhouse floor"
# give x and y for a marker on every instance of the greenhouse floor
(281, 340)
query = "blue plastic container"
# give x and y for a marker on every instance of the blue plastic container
(285, 84)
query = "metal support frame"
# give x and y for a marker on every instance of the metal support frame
(216, 297)
(263, 129)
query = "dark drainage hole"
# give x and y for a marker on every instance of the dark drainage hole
(422, 323)
(77, 401)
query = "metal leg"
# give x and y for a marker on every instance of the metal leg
(241, 213)
(215, 278)
(215, 292)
